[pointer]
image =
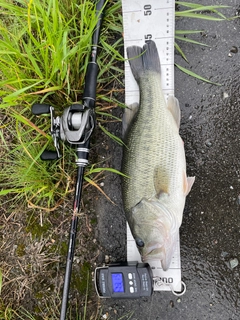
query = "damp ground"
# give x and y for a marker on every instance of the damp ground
(210, 232)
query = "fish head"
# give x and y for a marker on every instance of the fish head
(155, 231)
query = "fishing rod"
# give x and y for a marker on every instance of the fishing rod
(75, 126)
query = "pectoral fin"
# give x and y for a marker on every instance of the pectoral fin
(187, 184)
(161, 181)
(173, 107)
(128, 117)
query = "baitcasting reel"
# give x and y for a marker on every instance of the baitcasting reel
(74, 126)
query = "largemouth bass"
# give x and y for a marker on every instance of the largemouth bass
(156, 184)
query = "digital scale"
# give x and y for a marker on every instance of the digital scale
(144, 20)
(124, 280)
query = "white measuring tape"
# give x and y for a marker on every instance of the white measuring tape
(144, 20)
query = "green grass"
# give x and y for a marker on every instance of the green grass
(45, 47)
(6, 313)
(37, 55)
(195, 11)
(0, 281)
(45, 55)
(29, 179)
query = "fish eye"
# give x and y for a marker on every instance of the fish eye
(140, 243)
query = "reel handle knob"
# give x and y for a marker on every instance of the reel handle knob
(49, 155)
(38, 108)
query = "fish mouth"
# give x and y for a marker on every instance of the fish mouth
(159, 255)
(154, 251)
(160, 252)
(150, 257)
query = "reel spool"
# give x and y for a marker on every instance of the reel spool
(74, 126)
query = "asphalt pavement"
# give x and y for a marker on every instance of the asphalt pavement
(210, 232)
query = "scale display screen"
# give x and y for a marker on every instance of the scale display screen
(117, 282)
(127, 279)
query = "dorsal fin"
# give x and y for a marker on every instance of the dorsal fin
(128, 117)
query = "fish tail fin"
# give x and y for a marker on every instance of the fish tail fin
(144, 59)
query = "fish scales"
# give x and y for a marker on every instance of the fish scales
(151, 143)
(155, 183)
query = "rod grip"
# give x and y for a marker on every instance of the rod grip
(39, 108)
(91, 81)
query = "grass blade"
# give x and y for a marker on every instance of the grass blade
(187, 31)
(191, 41)
(94, 184)
(108, 115)
(197, 16)
(180, 51)
(98, 170)
(112, 136)
(192, 74)
(200, 8)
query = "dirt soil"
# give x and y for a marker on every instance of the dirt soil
(33, 257)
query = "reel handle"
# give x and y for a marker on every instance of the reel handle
(49, 155)
(39, 108)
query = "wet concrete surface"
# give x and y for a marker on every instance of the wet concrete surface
(210, 232)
